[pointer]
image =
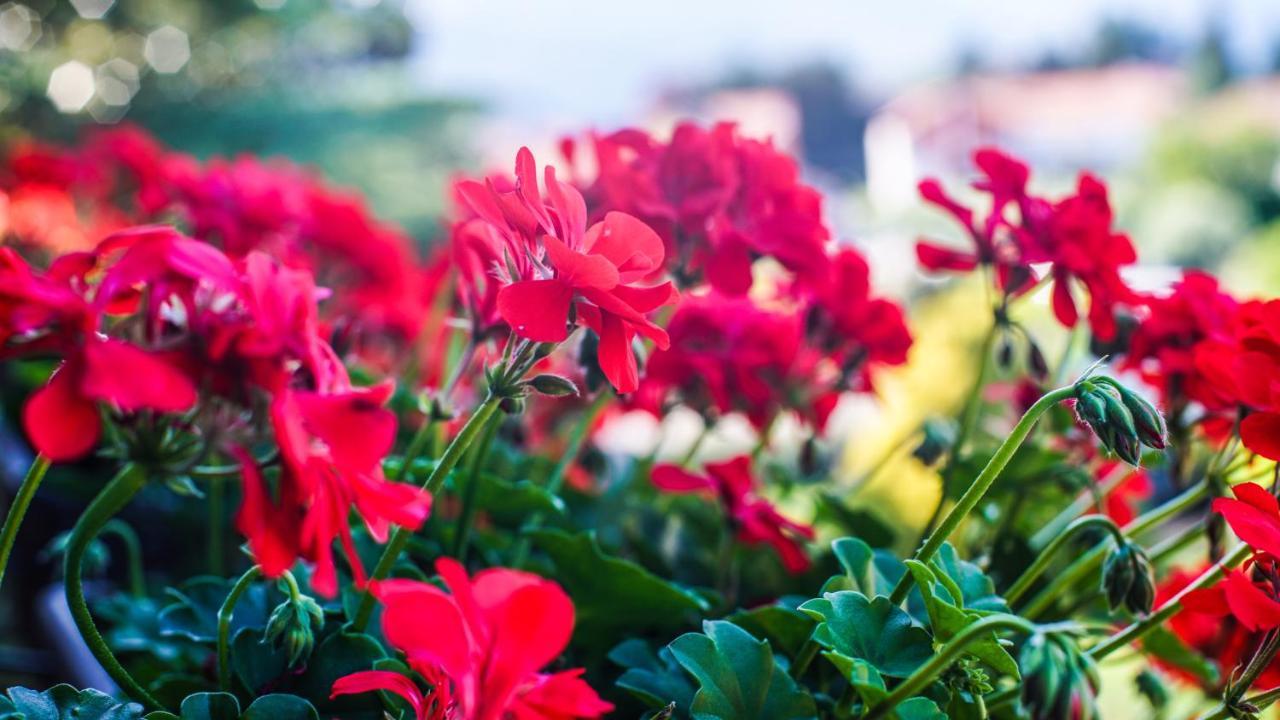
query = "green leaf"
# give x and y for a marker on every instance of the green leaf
(738, 677)
(279, 706)
(946, 620)
(193, 610)
(612, 594)
(870, 572)
(978, 590)
(873, 630)
(655, 679)
(920, 708)
(256, 662)
(211, 706)
(864, 678)
(64, 702)
(785, 628)
(510, 503)
(171, 688)
(341, 654)
(1171, 649)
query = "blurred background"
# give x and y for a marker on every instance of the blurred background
(1175, 102)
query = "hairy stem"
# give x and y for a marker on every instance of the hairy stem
(133, 554)
(109, 501)
(942, 659)
(1041, 563)
(981, 484)
(18, 509)
(224, 625)
(400, 537)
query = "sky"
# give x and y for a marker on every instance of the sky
(575, 62)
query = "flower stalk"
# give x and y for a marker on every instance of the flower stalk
(113, 498)
(225, 614)
(18, 508)
(982, 483)
(1041, 563)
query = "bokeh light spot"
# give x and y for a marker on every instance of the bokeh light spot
(71, 86)
(167, 49)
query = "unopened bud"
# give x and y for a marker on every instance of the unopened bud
(938, 435)
(512, 405)
(1058, 681)
(293, 625)
(1122, 419)
(1152, 687)
(1128, 581)
(1036, 363)
(553, 385)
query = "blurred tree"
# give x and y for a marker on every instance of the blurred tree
(1211, 67)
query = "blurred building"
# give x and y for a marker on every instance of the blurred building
(1059, 120)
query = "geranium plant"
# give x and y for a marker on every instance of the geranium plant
(435, 524)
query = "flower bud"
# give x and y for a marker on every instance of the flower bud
(1058, 681)
(512, 405)
(1122, 419)
(1128, 581)
(938, 437)
(553, 385)
(292, 627)
(1036, 363)
(1152, 687)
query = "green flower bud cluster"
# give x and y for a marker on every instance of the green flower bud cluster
(293, 625)
(1058, 681)
(1128, 581)
(1123, 420)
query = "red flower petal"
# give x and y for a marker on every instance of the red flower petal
(1259, 529)
(562, 695)
(133, 379)
(1250, 605)
(61, 423)
(674, 478)
(615, 354)
(1064, 307)
(425, 623)
(370, 680)
(332, 419)
(1260, 432)
(578, 269)
(936, 257)
(629, 243)
(537, 309)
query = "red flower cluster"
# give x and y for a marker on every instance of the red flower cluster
(719, 200)
(559, 272)
(1164, 345)
(68, 200)
(481, 646)
(1073, 235)
(1242, 367)
(1250, 595)
(755, 519)
(148, 316)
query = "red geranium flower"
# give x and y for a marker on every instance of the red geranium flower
(755, 519)
(481, 646)
(562, 267)
(1244, 368)
(726, 354)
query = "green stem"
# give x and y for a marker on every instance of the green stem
(1161, 551)
(555, 481)
(462, 534)
(968, 421)
(224, 625)
(941, 660)
(1171, 606)
(109, 501)
(1092, 560)
(133, 552)
(982, 484)
(1086, 499)
(1041, 563)
(400, 537)
(18, 509)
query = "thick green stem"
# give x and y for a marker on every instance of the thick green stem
(462, 534)
(400, 537)
(224, 625)
(1092, 560)
(1041, 563)
(133, 554)
(941, 660)
(18, 509)
(556, 480)
(982, 484)
(110, 501)
(1171, 606)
